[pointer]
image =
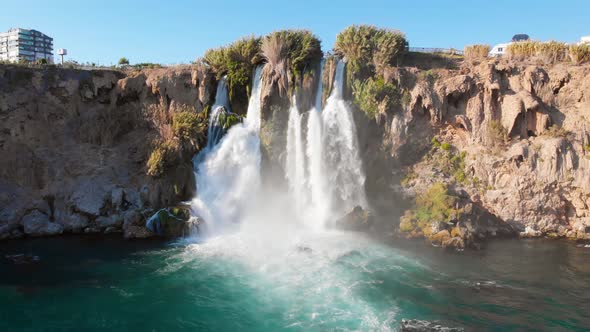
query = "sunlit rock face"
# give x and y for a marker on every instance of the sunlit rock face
(75, 145)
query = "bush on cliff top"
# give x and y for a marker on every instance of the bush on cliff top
(236, 60)
(579, 54)
(550, 52)
(476, 51)
(369, 49)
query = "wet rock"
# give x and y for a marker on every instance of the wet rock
(454, 243)
(111, 229)
(166, 223)
(38, 224)
(117, 198)
(137, 232)
(92, 230)
(110, 221)
(414, 325)
(356, 220)
(74, 223)
(440, 237)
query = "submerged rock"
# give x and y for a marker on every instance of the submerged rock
(414, 325)
(356, 220)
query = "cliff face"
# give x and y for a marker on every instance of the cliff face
(521, 133)
(75, 144)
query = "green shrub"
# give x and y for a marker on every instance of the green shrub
(229, 119)
(236, 60)
(579, 54)
(587, 148)
(189, 126)
(162, 156)
(368, 95)
(445, 146)
(123, 61)
(476, 51)
(435, 142)
(434, 205)
(368, 48)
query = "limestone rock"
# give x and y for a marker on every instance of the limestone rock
(38, 224)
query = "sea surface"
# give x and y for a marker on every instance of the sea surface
(325, 281)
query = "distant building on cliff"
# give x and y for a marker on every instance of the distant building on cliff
(584, 40)
(25, 45)
(500, 49)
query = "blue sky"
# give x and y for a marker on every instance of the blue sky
(179, 31)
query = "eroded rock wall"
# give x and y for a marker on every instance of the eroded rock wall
(525, 129)
(74, 146)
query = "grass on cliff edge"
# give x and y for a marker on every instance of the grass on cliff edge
(369, 51)
(292, 50)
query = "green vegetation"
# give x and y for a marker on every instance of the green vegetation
(162, 156)
(287, 51)
(476, 51)
(579, 54)
(147, 65)
(178, 133)
(587, 148)
(370, 94)
(448, 160)
(236, 60)
(434, 205)
(229, 119)
(42, 61)
(369, 49)
(123, 61)
(190, 127)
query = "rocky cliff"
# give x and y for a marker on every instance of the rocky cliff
(469, 151)
(511, 140)
(74, 147)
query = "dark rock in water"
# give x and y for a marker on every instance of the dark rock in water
(23, 259)
(304, 249)
(356, 220)
(172, 222)
(414, 325)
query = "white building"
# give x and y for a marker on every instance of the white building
(25, 45)
(584, 40)
(499, 49)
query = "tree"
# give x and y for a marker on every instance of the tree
(123, 61)
(42, 61)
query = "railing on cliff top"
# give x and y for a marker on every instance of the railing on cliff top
(451, 51)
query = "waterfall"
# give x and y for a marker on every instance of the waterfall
(320, 200)
(221, 106)
(228, 176)
(295, 167)
(343, 166)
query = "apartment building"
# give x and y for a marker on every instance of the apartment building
(25, 45)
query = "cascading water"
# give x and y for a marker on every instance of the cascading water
(295, 167)
(229, 172)
(343, 166)
(221, 106)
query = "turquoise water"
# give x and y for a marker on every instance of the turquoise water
(306, 282)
